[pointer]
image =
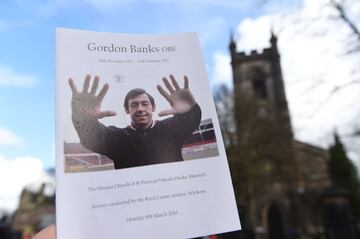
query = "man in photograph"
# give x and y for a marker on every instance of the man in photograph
(145, 141)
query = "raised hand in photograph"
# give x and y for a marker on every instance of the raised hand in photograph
(180, 99)
(87, 103)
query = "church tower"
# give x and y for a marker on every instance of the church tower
(259, 74)
(265, 139)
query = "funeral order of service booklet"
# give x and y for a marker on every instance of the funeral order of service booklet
(139, 152)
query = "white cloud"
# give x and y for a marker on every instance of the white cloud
(221, 72)
(8, 138)
(254, 33)
(15, 174)
(9, 77)
(311, 67)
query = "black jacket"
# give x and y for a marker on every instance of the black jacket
(129, 147)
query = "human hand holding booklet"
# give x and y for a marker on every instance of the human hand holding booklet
(139, 152)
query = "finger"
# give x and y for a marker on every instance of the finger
(103, 91)
(95, 85)
(107, 113)
(166, 112)
(175, 84)
(47, 233)
(163, 93)
(168, 86)
(86, 83)
(72, 86)
(186, 82)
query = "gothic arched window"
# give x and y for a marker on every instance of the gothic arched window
(259, 82)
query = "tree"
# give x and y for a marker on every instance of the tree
(343, 173)
(223, 98)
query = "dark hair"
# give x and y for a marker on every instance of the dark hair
(135, 92)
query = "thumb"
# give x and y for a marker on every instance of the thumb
(107, 113)
(166, 112)
(47, 233)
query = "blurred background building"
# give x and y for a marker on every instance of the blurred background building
(281, 184)
(36, 210)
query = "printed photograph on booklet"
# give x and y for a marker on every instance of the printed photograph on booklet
(179, 133)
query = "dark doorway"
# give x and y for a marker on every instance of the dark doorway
(276, 228)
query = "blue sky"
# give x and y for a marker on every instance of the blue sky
(27, 30)
(309, 61)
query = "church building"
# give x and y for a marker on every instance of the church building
(280, 180)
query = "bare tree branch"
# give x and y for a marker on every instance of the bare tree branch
(335, 90)
(345, 18)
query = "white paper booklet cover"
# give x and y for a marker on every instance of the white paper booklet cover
(139, 153)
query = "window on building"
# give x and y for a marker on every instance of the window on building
(259, 83)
